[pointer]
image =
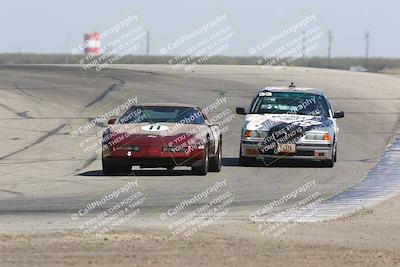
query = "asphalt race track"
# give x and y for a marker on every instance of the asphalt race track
(45, 175)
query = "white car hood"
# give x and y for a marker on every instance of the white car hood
(264, 122)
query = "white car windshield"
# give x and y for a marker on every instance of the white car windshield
(290, 103)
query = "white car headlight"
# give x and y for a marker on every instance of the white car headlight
(255, 134)
(318, 136)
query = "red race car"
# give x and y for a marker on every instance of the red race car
(162, 135)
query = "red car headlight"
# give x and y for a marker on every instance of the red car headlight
(174, 149)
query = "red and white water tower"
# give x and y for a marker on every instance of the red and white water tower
(92, 43)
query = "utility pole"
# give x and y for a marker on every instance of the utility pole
(367, 37)
(66, 48)
(330, 40)
(303, 46)
(147, 42)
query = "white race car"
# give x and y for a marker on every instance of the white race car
(289, 122)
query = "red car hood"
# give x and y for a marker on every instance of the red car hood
(157, 133)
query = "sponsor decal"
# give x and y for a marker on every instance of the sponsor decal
(154, 128)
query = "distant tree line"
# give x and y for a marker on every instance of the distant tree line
(343, 63)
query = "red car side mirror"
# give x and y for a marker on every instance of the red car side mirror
(111, 121)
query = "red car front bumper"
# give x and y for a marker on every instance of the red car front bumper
(148, 152)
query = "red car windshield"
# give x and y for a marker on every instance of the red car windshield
(163, 114)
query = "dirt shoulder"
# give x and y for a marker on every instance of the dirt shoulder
(367, 238)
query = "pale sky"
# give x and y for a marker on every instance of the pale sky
(43, 26)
